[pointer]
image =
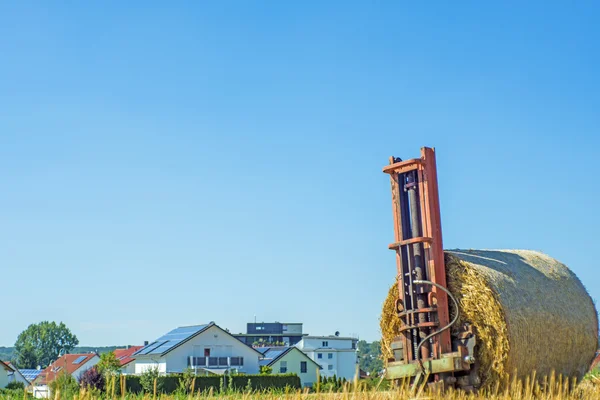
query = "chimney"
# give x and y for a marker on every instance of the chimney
(145, 343)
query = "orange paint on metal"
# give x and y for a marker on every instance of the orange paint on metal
(431, 237)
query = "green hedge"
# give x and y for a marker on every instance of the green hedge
(170, 383)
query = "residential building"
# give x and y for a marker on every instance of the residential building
(290, 360)
(72, 364)
(16, 375)
(207, 349)
(125, 357)
(335, 355)
(4, 371)
(271, 334)
(30, 374)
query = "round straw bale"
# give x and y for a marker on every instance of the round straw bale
(529, 311)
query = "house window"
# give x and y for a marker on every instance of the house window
(206, 352)
(237, 361)
(325, 344)
(319, 355)
(283, 367)
(330, 355)
(303, 367)
(353, 345)
(330, 367)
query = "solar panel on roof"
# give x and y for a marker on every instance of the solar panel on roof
(274, 353)
(79, 359)
(151, 346)
(30, 374)
(164, 347)
(172, 339)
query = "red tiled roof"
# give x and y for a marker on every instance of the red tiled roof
(124, 355)
(6, 365)
(64, 363)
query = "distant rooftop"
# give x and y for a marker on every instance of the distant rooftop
(270, 354)
(330, 337)
(125, 355)
(30, 374)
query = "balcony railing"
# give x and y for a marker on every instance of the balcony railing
(215, 362)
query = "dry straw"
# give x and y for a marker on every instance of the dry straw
(530, 312)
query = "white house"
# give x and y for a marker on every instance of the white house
(5, 370)
(16, 375)
(290, 360)
(125, 357)
(208, 349)
(335, 355)
(72, 364)
(30, 374)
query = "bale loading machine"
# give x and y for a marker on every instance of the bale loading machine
(429, 347)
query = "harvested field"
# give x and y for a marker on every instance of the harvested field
(530, 312)
(556, 389)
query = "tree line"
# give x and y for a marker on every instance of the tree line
(42, 343)
(369, 357)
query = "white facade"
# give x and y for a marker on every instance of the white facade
(16, 376)
(335, 355)
(292, 328)
(88, 365)
(128, 369)
(293, 361)
(212, 343)
(41, 391)
(4, 371)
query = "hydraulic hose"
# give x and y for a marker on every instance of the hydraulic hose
(422, 281)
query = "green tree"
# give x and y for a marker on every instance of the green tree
(41, 344)
(108, 364)
(363, 347)
(369, 356)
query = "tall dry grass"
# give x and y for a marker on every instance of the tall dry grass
(552, 388)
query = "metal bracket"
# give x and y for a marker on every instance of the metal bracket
(451, 362)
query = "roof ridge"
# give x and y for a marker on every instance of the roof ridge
(193, 326)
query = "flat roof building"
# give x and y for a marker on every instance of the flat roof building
(260, 334)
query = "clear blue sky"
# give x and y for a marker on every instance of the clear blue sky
(170, 165)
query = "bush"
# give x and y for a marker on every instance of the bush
(147, 379)
(186, 380)
(92, 379)
(14, 385)
(65, 384)
(18, 394)
(266, 370)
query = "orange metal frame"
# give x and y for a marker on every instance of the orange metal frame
(431, 240)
